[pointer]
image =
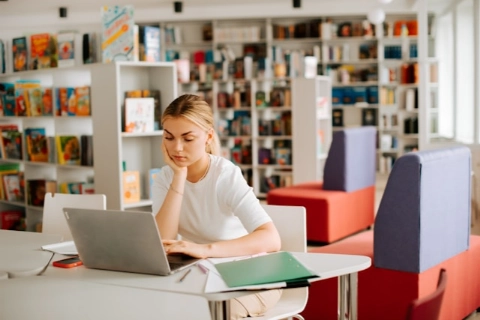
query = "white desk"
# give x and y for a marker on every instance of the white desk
(326, 266)
(20, 252)
(56, 299)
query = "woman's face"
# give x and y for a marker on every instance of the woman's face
(184, 140)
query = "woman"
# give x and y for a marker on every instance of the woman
(205, 199)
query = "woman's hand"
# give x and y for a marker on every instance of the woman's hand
(169, 161)
(189, 248)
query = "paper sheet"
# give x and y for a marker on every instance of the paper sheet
(65, 248)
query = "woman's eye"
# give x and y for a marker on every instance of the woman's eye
(168, 138)
(188, 140)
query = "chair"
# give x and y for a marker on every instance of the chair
(344, 202)
(428, 307)
(290, 223)
(53, 219)
(422, 226)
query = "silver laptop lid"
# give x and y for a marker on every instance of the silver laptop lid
(118, 240)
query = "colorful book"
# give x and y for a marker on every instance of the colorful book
(117, 33)
(12, 188)
(7, 95)
(68, 149)
(47, 102)
(39, 51)
(20, 54)
(35, 102)
(36, 190)
(139, 114)
(66, 49)
(11, 144)
(131, 186)
(150, 43)
(37, 146)
(83, 101)
(152, 173)
(22, 98)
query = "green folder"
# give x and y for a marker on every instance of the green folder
(274, 267)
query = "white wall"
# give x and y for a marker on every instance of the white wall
(49, 21)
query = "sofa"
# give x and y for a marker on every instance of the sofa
(344, 202)
(422, 226)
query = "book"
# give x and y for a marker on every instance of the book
(12, 187)
(86, 153)
(22, 98)
(47, 102)
(68, 149)
(369, 117)
(36, 190)
(2, 57)
(82, 101)
(66, 49)
(117, 33)
(150, 43)
(39, 51)
(139, 114)
(131, 186)
(36, 141)
(11, 144)
(151, 176)
(265, 269)
(89, 48)
(11, 219)
(7, 95)
(20, 54)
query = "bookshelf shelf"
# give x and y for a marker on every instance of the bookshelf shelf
(140, 151)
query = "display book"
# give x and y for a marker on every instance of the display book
(142, 111)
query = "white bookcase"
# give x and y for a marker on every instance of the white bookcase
(54, 125)
(363, 56)
(311, 127)
(112, 147)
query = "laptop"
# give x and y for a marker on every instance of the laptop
(127, 241)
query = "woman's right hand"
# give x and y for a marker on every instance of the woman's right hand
(169, 161)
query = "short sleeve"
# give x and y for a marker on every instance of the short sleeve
(161, 183)
(236, 194)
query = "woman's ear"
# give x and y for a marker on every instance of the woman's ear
(209, 136)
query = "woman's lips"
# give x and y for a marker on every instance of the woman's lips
(178, 158)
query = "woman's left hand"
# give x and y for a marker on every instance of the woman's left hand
(185, 247)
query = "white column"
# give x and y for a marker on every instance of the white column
(424, 75)
(476, 63)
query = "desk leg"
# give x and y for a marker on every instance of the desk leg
(220, 310)
(347, 297)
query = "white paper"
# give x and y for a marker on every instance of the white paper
(65, 248)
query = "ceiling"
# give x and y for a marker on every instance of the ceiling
(19, 7)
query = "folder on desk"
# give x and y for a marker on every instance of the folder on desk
(271, 268)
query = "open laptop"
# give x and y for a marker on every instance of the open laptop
(126, 241)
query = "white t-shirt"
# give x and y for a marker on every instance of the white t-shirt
(221, 206)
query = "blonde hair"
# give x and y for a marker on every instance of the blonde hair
(198, 111)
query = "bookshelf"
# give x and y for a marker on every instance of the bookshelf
(356, 57)
(311, 127)
(53, 125)
(140, 151)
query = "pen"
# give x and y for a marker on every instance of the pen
(184, 275)
(203, 268)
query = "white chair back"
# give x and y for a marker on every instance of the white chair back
(290, 222)
(53, 219)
